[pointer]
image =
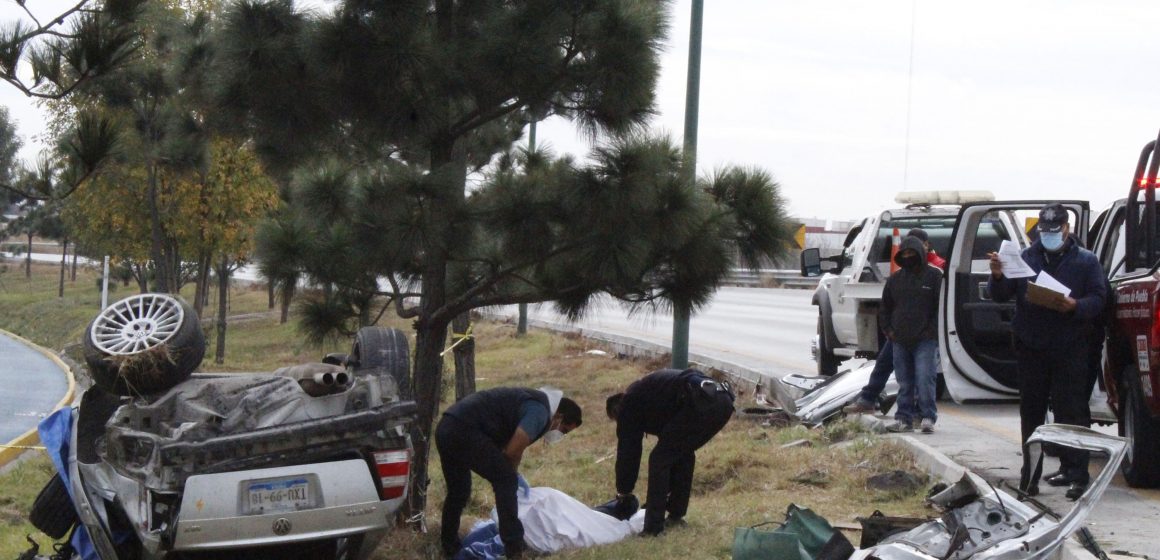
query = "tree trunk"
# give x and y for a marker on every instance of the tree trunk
(201, 293)
(28, 258)
(142, 276)
(270, 293)
(156, 236)
(287, 294)
(223, 275)
(464, 356)
(73, 272)
(431, 325)
(63, 267)
(428, 379)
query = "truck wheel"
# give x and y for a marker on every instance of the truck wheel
(827, 361)
(52, 511)
(379, 350)
(1141, 466)
(143, 344)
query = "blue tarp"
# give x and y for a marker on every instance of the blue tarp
(482, 543)
(55, 433)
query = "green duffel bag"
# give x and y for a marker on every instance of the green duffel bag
(805, 535)
(753, 543)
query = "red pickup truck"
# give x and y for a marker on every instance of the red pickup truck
(1126, 237)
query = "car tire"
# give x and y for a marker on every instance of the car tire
(827, 361)
(1141, 465)
(52, 510)
(143, 344)
(379, 350)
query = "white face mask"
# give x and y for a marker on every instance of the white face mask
(1052, 241)
(553, 436)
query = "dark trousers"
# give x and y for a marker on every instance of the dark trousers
(1059, 376)
(670, 465)
(883, 367)
(464, 449)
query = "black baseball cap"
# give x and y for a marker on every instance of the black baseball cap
(1052, 218)
(919, 233)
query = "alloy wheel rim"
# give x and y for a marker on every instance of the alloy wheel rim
(136, 324)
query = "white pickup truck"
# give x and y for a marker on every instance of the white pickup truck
(976, 355)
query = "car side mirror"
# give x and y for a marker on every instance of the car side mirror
(811, 262)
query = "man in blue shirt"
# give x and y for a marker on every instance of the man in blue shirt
(1052, 340)
(487, 433)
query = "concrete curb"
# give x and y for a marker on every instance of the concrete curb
(30, 439)
(925, 456)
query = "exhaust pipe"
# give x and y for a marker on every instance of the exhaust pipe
(339, 379)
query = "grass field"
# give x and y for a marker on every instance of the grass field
(743, 475)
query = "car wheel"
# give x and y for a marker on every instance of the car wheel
(143, 344)
(1141, 466)
(380, 350)
(52, 511)
(827, 361)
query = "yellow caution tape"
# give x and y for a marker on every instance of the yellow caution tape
(458, 339)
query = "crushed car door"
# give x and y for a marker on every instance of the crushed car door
(978, 357)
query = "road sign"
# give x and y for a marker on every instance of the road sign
(800, 236)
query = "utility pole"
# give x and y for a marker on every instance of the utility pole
(522, 324)
(681, 311)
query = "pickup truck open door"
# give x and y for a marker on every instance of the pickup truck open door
(977, 356)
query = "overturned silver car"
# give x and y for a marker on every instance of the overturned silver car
(310, 461)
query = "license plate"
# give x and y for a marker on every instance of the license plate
(279, 495)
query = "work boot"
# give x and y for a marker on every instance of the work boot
(1059, 479)
(1030, 489)
(1075, 490)
(860, 407)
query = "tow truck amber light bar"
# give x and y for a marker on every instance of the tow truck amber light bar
(392, 467)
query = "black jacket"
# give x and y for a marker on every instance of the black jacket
(649, 403)
(910, 300)
(496, 412)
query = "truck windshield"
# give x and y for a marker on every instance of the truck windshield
(938, 228)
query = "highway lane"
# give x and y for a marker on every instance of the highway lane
(769, 330)
(33, 385)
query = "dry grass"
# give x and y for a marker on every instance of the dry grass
(743, 475)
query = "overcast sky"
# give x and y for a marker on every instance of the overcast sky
(1027, 99)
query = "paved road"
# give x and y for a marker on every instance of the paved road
(769, 330)
(41, 385)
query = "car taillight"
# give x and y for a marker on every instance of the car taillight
(393, 467)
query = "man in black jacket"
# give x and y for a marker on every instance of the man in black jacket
(909, 317)
(487, 433)
(684, 409)
(1052, 341)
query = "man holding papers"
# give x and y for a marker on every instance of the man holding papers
(1059, 291)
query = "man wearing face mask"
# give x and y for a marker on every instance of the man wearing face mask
(684, 409)
(909, 317)
(1051, 343)
(487, 433)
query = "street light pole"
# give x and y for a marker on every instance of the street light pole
(522, 324)
(681, 311)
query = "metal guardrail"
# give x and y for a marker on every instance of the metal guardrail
(770, 278)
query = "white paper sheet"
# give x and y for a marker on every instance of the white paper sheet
(1048, 281)
(1013, 264)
